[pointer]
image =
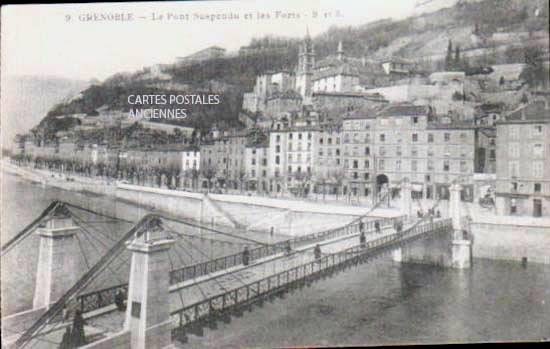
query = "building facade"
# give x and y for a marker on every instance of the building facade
(523, 162)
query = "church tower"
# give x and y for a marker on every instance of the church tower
(304, 73)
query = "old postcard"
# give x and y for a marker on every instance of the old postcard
(273, 174)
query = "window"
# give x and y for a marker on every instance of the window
(537, 130)
(447, 137)
(330, 141)
(430, 165)
(337, 152)
(278, 149)
(446, 166)
(290, 146)
(463, 166)
(380, 164)
(367, 163)
(366, 176)
(278, 138)
(513, 168)
(415, 137)
(367, 151)
(414, 152)
(537, 188)
(253, 161)
(414, 165)
(398, 165)
(538, 150)
(289, 157)
(299, 136)
(398, 151)
(514, 132)
(513, 150)
(382, 137)
(290, 169)
(277, 160)
(290, 136)
(538, 169)
(321, 140)
(415, 119)
(382, 151)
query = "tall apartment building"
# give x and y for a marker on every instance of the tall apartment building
(523, 162)
(404, 140)
(225, 155)
(292, 155)
(328, 172)
(256, 162)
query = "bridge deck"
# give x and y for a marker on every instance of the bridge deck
(196, 290)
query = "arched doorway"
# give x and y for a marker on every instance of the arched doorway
(381, 180)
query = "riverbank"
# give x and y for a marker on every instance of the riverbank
(510, 238)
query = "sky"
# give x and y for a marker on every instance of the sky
(57, 40)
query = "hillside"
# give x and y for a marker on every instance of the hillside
(487, 32)
(26, 99)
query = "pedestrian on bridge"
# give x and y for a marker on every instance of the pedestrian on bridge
(362, 239)
(246, 256)
(361, 226)
(317, 251)
(377, 227)
(78, 336)
(119, 301)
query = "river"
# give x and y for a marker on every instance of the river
(372, 304)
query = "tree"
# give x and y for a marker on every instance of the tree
(209, 172)
(337, 177)
(449, 57)
(534, 73)
(457, 58)
(323, 181)
(242, 179)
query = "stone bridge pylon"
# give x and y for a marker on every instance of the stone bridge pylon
(452, 250)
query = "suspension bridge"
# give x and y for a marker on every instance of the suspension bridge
(175, 286)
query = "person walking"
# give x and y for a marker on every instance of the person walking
(246, 256)
(66, 342)
(119, 301)
(362, 239)
(317, 251)
(377, 227)
(78, 336)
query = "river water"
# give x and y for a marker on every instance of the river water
(376, 303)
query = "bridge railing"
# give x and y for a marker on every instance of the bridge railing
(100, 298)
(192, 271)
(249, 293)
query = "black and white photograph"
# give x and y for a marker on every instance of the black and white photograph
(274, 174)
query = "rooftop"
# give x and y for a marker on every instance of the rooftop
(405, 109)
(538, 111)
